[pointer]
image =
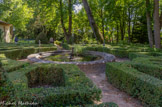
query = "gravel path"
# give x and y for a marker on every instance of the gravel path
(109, 93)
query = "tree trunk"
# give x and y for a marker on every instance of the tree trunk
(129, 25)
(62, 21)
(70, 17)
(117, 33)
(67, 34)
(122, 30)
(102, 15)
(149, 29)
(161, 20)
(92, 22)
(156, 24)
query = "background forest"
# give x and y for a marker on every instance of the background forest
(118, 21)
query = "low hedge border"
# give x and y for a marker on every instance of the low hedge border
(78, 88)
(146, 88)
(107, 104)
(24, 52)
(150, 69)
(11, 65)
(134, 55)
(119, 51)
(6, 88)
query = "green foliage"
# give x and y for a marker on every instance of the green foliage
(145, 87)
(43, 38)
(17, 13)
(58, 43)
(78, 88)
(66, 46)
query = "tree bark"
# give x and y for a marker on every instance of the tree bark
(117, 33)
(92, 22)
(149, 29)
(129, 25)
(161, 20)
(67, 34)
(156, 24)
(70, 17)
(102, 17)
(122, 29)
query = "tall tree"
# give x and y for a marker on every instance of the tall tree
(149, 29)
(156, 24)
(92, 22)
(67, 34)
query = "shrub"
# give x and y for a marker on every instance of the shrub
(43, 38)
(78, 89)
(58, 42)
(146, 88)
(65, 46)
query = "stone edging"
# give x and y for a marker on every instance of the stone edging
(105, 58)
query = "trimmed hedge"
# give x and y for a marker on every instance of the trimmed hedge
(149, 65)
(46, 76)
(24, 52)
(150, 69)
(134, 55)
(107, 104)
(78, 88)
(6, 89)
(146, 88)
(11, 65)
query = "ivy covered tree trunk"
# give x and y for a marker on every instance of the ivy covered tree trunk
(156, 24)
(149, 29)
(92, 22)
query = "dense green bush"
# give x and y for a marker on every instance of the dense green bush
(66, 46)
(145, 87)
(43, 38)
(78, 89)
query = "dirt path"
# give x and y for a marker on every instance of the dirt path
(109, 93)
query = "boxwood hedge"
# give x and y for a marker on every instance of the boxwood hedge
(107, 104)
(24, 52)
(6, 89)
(134, 55)
(145, 87)
(77, 88)
(10, 65)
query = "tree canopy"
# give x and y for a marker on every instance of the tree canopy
(111, 21)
